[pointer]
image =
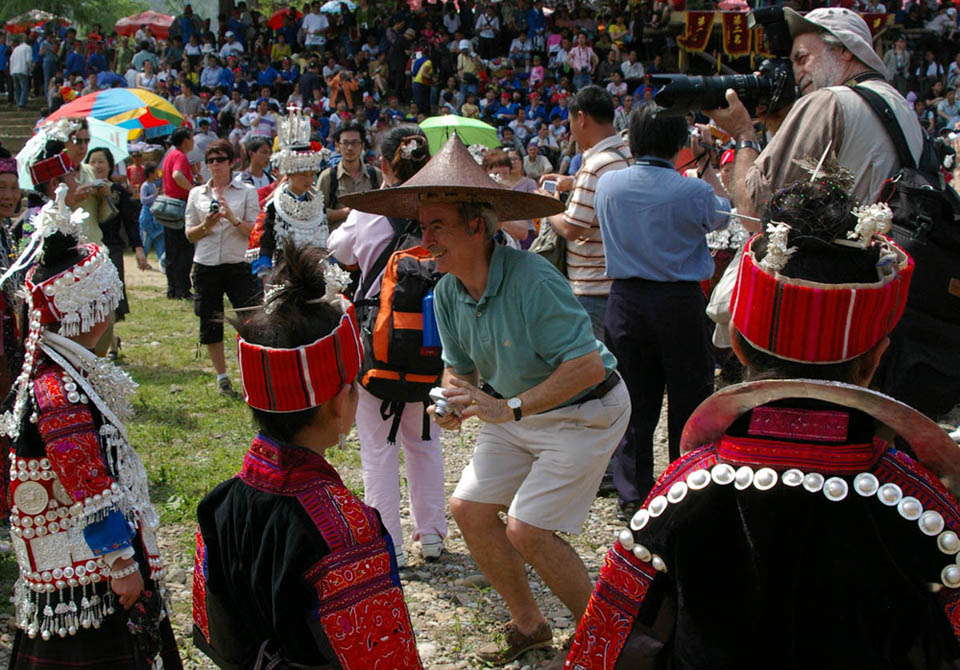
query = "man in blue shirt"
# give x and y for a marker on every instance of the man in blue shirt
(210, 76)
(560, 109)
(5, 81)
(535, 110)
(74, 63)
(266, 74)
(554, 407)
(654, 221)
(95, 59)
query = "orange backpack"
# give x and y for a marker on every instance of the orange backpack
(397, 367)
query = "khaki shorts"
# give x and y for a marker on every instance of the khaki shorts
(547, 468)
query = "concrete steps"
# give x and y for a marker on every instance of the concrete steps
(16, 125)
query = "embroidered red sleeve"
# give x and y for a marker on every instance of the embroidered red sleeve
(613, 607)
(360, 602)
(71, 440)
(361, 609)
(200, 588)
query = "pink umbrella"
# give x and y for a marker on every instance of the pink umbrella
(159, 24)
(733, 6)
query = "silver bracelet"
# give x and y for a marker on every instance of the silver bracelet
(125, 572)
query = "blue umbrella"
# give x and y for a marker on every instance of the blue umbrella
(333, 6)
(107, 79)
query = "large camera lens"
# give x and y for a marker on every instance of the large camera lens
(682, 94)
(774, 86)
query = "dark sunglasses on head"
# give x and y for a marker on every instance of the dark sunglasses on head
(217, 159)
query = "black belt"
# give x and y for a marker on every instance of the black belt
(598, 391)
(601, 389)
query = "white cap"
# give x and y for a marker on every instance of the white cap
(465, 45)
(845, 25)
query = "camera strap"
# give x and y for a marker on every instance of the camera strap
(654, 162)
(887, 117)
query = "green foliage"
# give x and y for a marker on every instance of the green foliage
(81, 14)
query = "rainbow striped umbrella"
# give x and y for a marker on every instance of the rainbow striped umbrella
(141, 112)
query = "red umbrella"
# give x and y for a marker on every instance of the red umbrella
(159, 24)
(279, 16)
(35, 17)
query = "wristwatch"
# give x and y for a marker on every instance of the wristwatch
(749, 144)
(514, 403)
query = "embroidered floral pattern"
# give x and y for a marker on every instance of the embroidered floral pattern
(200, 588)
(70, 436)
(615, 603)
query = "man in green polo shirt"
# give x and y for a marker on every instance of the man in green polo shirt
(554, 408)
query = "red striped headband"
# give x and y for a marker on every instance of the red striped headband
(292, 380)
(810, 322)
(50, 168)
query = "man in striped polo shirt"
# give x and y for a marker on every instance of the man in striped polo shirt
(591, 124)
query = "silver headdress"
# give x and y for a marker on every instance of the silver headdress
(295, 154)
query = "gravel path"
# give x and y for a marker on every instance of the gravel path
(453, 608)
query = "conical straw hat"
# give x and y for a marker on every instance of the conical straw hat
(452, 176)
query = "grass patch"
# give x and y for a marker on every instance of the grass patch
(190, 436)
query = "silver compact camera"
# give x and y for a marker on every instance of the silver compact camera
(441, 403)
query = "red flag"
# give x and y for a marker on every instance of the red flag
(877, 22)
(736, 34)
(699, 26)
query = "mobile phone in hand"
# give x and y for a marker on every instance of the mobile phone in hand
(550, 186)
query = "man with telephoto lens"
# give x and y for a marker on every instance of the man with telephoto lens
(832, 52)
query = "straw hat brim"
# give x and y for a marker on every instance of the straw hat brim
(405, 201)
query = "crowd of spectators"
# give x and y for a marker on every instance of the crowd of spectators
(513, 64)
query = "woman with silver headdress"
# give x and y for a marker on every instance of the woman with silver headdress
(296, 212)
(90, 592)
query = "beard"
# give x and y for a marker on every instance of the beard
(830, 71)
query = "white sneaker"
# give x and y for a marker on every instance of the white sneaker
(956, 435)
(431, 546)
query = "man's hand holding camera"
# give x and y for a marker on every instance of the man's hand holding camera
(464, 400)
(734, 118)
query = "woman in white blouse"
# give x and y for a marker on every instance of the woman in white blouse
(147, 79)
(219, 218)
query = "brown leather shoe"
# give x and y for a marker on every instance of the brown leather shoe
(511, 643)
(559, 661)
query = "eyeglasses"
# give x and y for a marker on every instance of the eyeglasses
(351, 143)
(217, 159)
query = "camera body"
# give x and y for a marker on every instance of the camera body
(214, 206)
(440, 403)
(774, 86)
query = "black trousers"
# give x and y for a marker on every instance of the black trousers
(211, 283)
(179, 260)
(658, 332)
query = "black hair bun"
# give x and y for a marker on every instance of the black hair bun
(819, 213)
(60, 252)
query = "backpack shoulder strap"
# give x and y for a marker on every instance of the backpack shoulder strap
(885, 113)
(374, 176)
(334, 187)
(399, 228)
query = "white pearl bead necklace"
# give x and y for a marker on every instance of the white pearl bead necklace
(835, 489)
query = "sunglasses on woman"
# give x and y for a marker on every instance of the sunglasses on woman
(217, 159)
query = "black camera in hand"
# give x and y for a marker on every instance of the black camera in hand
(774, 86)
(214, 206)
